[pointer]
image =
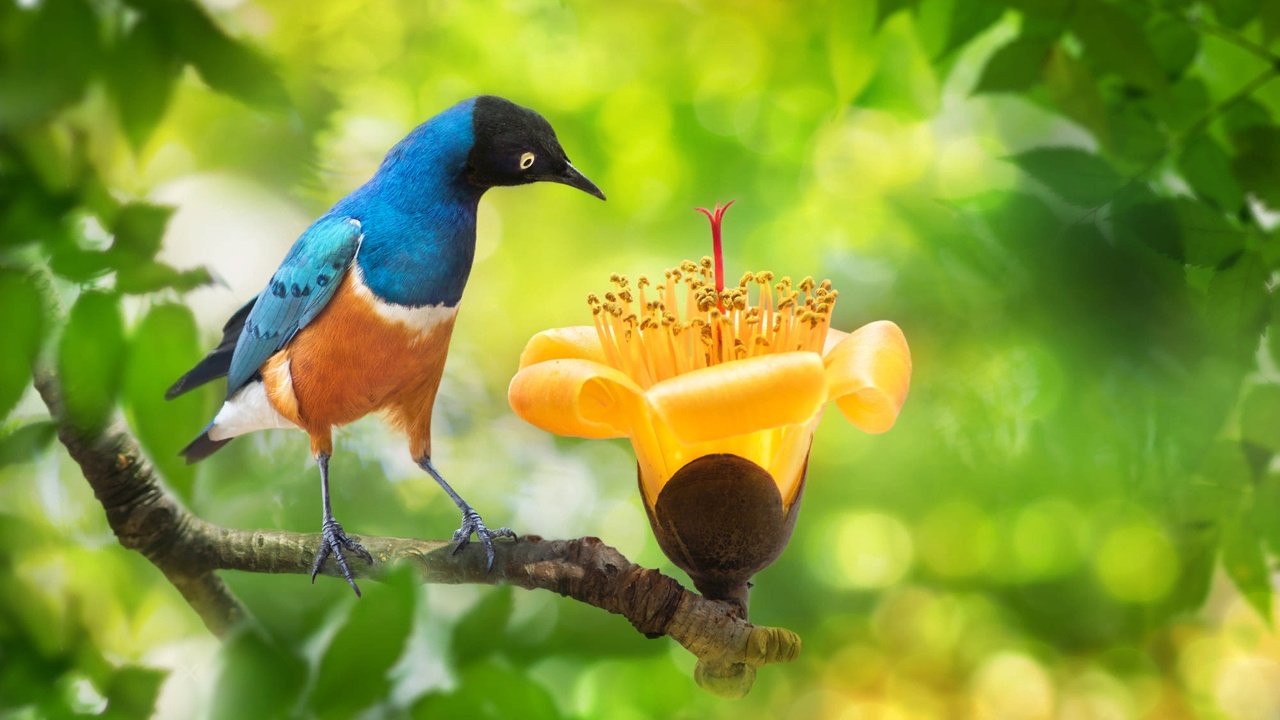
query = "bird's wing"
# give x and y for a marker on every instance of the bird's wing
(299, 290)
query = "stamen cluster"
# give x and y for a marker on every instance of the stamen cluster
(646, 333)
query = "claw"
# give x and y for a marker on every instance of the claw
(333, 542)
(472, 524)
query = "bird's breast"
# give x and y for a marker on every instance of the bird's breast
(361, 355)
(421, 321)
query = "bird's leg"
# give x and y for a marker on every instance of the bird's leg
(471, 522)
(334, 540)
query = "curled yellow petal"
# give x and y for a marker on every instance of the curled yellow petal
(580, 342)
(869, 373)
(741, 396)
(576, 397)
(834, 338)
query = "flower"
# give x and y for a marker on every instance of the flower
(720, 391)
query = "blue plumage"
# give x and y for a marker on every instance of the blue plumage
(408, 235)
(297, 292)
(419, 214)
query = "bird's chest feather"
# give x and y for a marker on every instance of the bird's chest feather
(360, 355)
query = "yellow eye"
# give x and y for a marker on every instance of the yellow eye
(526, 161)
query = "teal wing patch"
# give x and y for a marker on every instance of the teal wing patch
(298, 291)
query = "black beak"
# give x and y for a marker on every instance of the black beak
(571, 177)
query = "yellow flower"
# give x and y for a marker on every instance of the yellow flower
(691, 372)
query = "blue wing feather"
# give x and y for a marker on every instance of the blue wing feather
(304, 283)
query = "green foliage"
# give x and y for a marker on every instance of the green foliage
(1260, 417)
(143, 69)
(226, 65)
(37, 80)
(165, 344)
(1257, 161)
(258, 677)
(1115, 44)
(1085, 317)
(482, 631)
(47, 654)
(366, 646)
(25, 443)
(1077, 176)
(1015, 67)
(24, 309)
(91, 356)
(489, 691)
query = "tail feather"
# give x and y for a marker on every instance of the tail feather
(217, 363)
(202, 447)
(214, 365)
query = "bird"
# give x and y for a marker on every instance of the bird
(358, 316)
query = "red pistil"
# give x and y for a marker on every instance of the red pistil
(717, 219)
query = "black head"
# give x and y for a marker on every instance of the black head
(516, 146)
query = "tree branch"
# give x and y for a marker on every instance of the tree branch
(147, 518)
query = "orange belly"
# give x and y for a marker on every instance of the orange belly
(352, 360)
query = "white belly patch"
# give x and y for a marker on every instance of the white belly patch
(421, 320)
(247, 411)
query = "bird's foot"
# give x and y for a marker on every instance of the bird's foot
(472, 524)
(334, 541)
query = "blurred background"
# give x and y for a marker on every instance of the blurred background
(1068, 205)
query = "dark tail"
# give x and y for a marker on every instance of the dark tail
(202, 447)
(217, 363)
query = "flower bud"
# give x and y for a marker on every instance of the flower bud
(721, 519)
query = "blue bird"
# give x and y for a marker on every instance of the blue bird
(358, 316)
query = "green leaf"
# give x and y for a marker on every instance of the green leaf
(1015, 67)
(149, 277)
(1174, 43)
(76, 264)
(24, 444)
(24, 313)
(366, 647)
(480, 631)
(489, 691)
(1243, 115)
(1257, 165)
(1207, 169)
(1236, 14)
(164, 345)
(1245, 563)
(1273, 332)
(1136, 137)
(1237, 307)
(142, 72)
(52, 62)
(1074, 175)
(227, 65)
(968, 19)
(1269, 15)
(1181, 229)
(138, 230)
(904, 81)
(90, 358)
(132, 692)
(1114, 43)
(1041, 12)
(259, 678)
(1260, 417)
(888, 8)
(1074, 92)
(1269, 521)
(1183, 106)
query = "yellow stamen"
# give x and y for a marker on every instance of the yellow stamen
(650, 340)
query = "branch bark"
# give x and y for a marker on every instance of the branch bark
(188, 551)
